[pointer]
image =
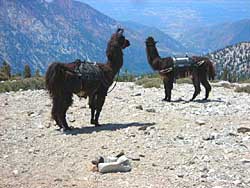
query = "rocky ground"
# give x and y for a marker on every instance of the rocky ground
(177, 144)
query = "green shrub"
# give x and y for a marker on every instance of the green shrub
(24, 84)
(245, 81)
(245, 89)
(184, 81)
(149, 82)
(126, 78)
(3, 76)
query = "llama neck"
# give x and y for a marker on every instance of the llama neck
(115, 66)
(153, 57)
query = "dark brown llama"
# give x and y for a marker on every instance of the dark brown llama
(199, 70)
(62, 80)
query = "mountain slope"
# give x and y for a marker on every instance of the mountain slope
(203, 40)
(235, 58)
(166, 45)
(39, 32)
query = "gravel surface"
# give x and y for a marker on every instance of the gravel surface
(177, 144)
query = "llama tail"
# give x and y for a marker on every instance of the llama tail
(211, 71)
(54, 79)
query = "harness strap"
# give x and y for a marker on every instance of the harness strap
(115, 83)
(167, 70)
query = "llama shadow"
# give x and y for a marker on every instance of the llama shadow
(197, 101)
(208, 100)
(105, 127)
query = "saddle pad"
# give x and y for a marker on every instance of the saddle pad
(90, 71)
(183, 62)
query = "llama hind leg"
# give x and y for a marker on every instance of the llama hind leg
(66, 102)
(207, 87)
(196, 83)
(55, 112)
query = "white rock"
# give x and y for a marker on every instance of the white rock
(15, 172)
(121, 165)
(200, 122)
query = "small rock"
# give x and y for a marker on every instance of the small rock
(5, 156)
(40, 135)
(237, 182)
(200, 122)
(245, 161)
(153, 164)
(97, 160)
(204, 176)
(204, 169)
(40, 126)
(180, 137)
(137, 94)
(134, 157)
(180, 175)
(232, 134)
(30, 113)
(104, 147)
(48, 125)
(151, 110)
(208, 137)
(71, 119)
(15, 172)
(243, 130)
(139, 107)
(58, 179)
(141, 155)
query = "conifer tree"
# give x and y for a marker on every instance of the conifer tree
(27, 71)
(6, 69)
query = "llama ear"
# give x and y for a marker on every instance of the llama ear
(120, 31)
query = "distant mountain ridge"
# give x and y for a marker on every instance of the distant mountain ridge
(39, 32)
(235, 59)
(208, 39)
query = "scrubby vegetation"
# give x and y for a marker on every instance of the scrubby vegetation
(245, 89)
(10, 82)
(24, 84)
(126, 77)
(184, 81)
(149, 82)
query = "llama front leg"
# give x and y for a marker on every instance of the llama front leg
(166, 89)
(100, 102)
(170, 85)
(92, 106)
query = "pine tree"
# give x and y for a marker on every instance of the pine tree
(225, 74)
(6, 69)
(37, 74)
(27, 71)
